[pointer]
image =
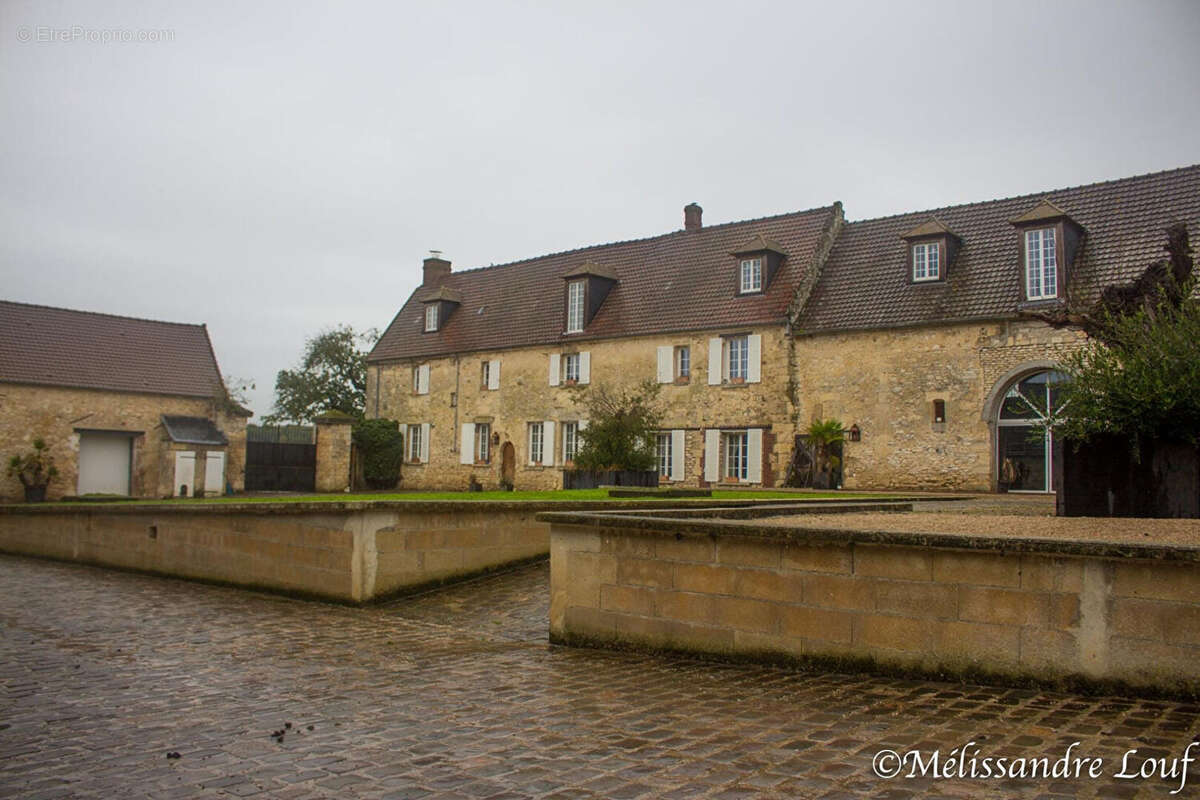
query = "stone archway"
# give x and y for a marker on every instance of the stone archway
(1022, 450)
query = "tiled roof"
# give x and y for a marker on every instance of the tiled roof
(676, 282)
(61, 347)
(193, 430)
(864, 283)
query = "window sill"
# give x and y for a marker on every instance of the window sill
(738, 383)
(683, 381)
(570, 383)
(482, 464)
(414, 463)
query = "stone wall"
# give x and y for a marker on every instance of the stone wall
(333, 453)
(349, 552)
(885, 382)
(57, 414)
(961, 611)
(525, 395)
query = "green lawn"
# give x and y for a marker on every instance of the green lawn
(562, 496)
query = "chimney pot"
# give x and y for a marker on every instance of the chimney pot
(435, 268)
(691, 217)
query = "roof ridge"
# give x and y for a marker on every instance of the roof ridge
(1045, 193)
(644, 239)
(105, 314)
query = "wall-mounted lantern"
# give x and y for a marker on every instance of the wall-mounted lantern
(854, 434)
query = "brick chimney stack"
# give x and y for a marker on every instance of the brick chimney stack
(436, 268)
(691, 217)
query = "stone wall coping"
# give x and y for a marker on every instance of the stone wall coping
(647, 524)
(416, 506)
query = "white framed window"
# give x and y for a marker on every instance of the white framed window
(737, 359)
(663, 450)
(431, 317)
(736, 461)
(574, 306)
(751, 275)
(416, 443)
(1041, 264)
(683, 361)
(570, 440)
(927, 261)
(483, 443)
(536, 453)
(571, 367)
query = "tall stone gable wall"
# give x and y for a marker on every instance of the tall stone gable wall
(885, 382)
(56, 414)
(525, 395)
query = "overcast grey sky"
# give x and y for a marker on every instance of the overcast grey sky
(276, 168)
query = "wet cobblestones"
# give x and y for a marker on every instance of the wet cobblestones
(456, 694)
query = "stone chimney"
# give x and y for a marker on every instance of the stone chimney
(691, 217)
(436, 268)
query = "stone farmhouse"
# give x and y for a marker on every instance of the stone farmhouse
(127, 406)
(915, 331)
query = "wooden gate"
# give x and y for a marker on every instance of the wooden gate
(281, 458)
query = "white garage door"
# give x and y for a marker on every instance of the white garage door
(104, 462)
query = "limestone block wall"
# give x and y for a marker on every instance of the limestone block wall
(457, 394)
(349, 552)
(885, 382)
(56, 414)
(951, 610)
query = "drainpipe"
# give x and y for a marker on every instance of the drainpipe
(457, 397)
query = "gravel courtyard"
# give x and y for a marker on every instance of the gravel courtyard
(105, 676)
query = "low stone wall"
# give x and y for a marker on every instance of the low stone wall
(352, 552)
(1049, 610)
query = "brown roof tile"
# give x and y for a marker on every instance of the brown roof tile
(676, 282)
(864, 283)
(61, 347)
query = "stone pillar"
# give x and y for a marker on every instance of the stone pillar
(333, 452)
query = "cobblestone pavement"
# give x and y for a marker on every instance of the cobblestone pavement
(456, 694)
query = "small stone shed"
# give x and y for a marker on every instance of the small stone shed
(127, 406)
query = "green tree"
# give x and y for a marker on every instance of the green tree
(622, 424)
(823, 434)
(381, 446)
(331, 377)
(1139, 375)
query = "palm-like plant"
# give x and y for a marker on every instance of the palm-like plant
(823, 434)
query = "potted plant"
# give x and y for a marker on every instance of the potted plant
(34, 470)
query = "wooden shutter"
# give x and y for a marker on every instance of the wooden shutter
(554, 359)
(494, 374)
(425, 427)
(466, 448)
(754, 455)
(712, 455)
(585, 367)
(548, 443)
(665, 365)
(753, 358)
(423, 379)
(714, 362)
(678, 468)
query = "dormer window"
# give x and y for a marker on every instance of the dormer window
(1049, 242)
(751, 275)
(931, 248)
(431, 317)
(1041, 264)
(757, 262)
(927, 262)
(587, 287)
(575, 290)
(440, 303)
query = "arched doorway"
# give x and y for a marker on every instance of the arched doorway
(1025, 451)
(508, 464)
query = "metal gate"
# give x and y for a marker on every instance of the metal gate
(281, 458)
